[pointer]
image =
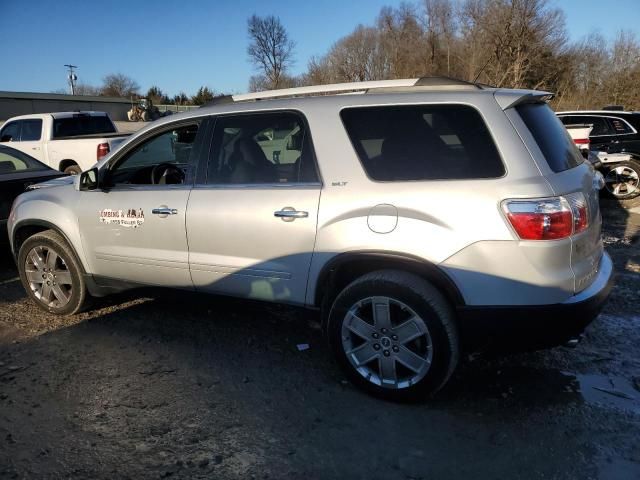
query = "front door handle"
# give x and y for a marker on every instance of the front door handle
(289, 214)
(164, 211)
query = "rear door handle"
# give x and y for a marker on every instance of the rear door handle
(164, 211)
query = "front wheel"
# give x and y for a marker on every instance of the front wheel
(394, 335)
(51, 274)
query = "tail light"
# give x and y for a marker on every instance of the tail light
(581, 141)
(548, 218)
(103, 149)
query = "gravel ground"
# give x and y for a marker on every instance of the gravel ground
(164, 384)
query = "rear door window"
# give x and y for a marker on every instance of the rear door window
(551, 136)
(422, 142)
(261, 148)
(600, 126)
(31, 130)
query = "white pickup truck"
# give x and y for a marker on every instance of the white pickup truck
(67, 141)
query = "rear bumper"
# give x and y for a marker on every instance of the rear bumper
(530, 327)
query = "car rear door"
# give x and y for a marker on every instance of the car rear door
(251, 221)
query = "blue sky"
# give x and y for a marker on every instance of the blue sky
(181, 45)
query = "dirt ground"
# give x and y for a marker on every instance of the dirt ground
(163, 384)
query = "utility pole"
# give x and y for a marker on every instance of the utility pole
(72, 77)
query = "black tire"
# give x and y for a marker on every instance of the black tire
(427, 302)
(633, 165)
(73, 170)
(50, 240)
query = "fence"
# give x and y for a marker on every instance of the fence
(176, 108)
(21, 103)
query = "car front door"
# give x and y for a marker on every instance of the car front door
(25, 135)
(251, 223)
(134, 229)
(31, 138)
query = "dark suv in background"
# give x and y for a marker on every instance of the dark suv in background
(614, 133)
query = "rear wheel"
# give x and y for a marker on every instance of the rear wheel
(51, 274)
(73, 170)
(394, 335)
(622, 180)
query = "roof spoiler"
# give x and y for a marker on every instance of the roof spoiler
(512, 98)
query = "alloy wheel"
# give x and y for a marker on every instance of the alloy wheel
(622, 181)
(387, 342)
(48, 276)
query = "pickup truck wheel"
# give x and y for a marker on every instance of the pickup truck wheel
(51, 274)
(73, 170)
(394, 335)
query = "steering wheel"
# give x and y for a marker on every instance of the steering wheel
(166, 171)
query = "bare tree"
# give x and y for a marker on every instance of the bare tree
(270, 49)
(119, 85)
(440, 29)
(402, 42)
(512, 38)
(507, 43)
(624, 75)
(85, 89)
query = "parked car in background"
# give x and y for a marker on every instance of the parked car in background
(580, 136)
(616, 134)
(18, 171)
(351, 205)
(67, 141)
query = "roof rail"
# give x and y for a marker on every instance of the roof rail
(401, 85)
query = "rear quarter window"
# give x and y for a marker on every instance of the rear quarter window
(422, 142)
(620, 127)
(551, 136)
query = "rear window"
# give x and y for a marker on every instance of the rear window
(82, 125)
(12, 161)
(551, 136)
(422, 142)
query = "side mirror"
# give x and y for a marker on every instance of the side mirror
(89, 180)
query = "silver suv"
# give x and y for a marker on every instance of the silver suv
(421, 217)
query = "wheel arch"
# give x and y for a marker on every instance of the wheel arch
(67, 162)
(26, 228)
(342, 269)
